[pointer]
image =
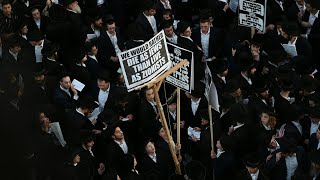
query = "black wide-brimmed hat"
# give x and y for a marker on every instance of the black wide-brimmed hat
(35, 36)
(195, 170)
(66, 2)
(219, 65)
(50, 48)
(182, 26)
(252, 160)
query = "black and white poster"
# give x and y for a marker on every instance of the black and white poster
(183, 77)
(142, 64)
(252, 13)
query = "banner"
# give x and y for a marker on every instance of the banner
(183, 77)
(210, 90)
(143, 63)
(253, 14)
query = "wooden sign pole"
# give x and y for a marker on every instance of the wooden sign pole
(178, 118)
(165, 127)
(211, 125)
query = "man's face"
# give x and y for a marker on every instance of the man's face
(237, 93)
(163, 134)
(172, 107)
(76, 159)
(24, 30)
(166, 17)
(224, 73)
(151, 12)
(187, 32)
(150, 95)
(118, 134)
(36, 14)
(150, 148)
(89, 144)
(204, 27)
(169, 31)
(252, 170)
(94, 50)
(39, 79)
(111, 28)
(98, 23)
(252, 71)
(264, 95)
(15, 49)
(315, 119)
(65, 82)
(103, 85)
(264, 117)
(204, 122)
(7, 10)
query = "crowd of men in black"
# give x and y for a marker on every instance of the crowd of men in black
(267, 126)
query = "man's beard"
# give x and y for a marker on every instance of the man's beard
(77, 9)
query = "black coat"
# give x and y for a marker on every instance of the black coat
(224, 166)
(74, 127)
(160, 168)
(148, 121)
(256, 107)
(116, 157)
(32, 26)
(314, 35)
(193, 120)
(63, 100)
(215, 41)
(93, 67)
(291, 131)
(313, 142)
(112, 98)
(244, 175)
(143, 22)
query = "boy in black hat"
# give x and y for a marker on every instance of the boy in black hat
(38, 41)
(219, 69)
(36, 20)
(233, 89)
(51, 60)
(92, 62)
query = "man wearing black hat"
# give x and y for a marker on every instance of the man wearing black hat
(37, 40)
(51, 61)
(253, 169)
(219, 69)
(92, 62)
(96, 23)
(77, 31)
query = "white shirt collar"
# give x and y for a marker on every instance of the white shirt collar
(66, 90)
(239, 125)
(208, 33)
(196, 102)
(246, 78)
(115, 34)
(93, 57)
(78, 110)
(317, 14)
(106, 90)
(51, 59)
(255, 175)
(72, 11)
(41, 45)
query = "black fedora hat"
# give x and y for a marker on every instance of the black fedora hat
(252, 160)
(50, 48)
(261, 86)
(35, 36)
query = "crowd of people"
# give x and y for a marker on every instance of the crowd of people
(267, 125)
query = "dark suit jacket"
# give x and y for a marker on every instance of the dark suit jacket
(256, 107)
(224, 166)
(147, 120)
(215, 41)
(313, 142)
(143, 22)
(161, 167)
(314, 35)
(291, 131)
(63, 100)
(116, 157)
(292, 12)
(303, 47)
(193, 120)
(244, 85)
(281, 105)
(112, 98)
(44, 21)
(75, 127)
(106, 50)
(93, 67)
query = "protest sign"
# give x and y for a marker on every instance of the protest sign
(142, 64)
(253, 14)
(210, 90)
(183, 77)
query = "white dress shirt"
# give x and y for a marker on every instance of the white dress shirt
(38, 23)
(247, 79)
(318, 145)
(100, 2)
(205, 43)
(255, 175)
(102, 98)
(37, 50)
(154, 157)
(152, 22)
(93, 57)
(298, 125)
(123, 146)
(292, 164)
(15, 56)
(219, 152)
(222, 78)
(195, 105)
(314, 127)
(114, 41)
(96, 31)
(311, 20)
